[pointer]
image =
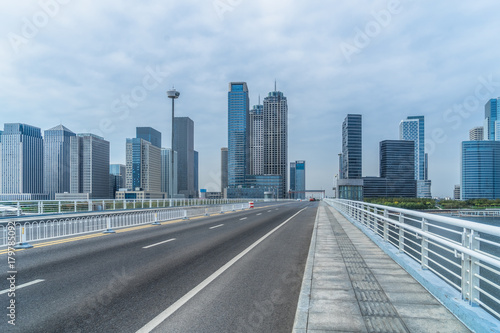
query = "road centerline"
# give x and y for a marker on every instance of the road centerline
(184, 299)
(22, 285)
(259, 214)
(216, 226)
(243, 218)
(168, 240)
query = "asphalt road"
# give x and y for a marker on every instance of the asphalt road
(236, 272)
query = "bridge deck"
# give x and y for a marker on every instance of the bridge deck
(351, 285)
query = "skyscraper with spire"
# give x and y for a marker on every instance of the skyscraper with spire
(275, 117)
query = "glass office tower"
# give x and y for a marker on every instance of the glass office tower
(480, 170)
(238, 134)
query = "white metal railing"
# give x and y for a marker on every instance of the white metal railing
(464, 254)
(41, 228)
(13, 208)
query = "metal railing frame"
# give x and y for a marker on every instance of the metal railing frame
(37, 207)
(419, 243)
(39, 228)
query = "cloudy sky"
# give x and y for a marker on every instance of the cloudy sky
(104, 66)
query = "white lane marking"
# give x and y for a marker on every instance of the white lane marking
(22, 286)
(220, 225)
(269, 211)
(184, 299)
(168, 240)
(259, 214)
(243, 218)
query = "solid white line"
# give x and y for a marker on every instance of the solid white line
(220, 225)
(259, 214)
(22, 286)
(169, 240)
(184, 299)
(243, 218)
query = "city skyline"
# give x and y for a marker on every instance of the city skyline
(111, 79)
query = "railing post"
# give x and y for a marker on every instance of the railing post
(108, 226)
(18, 208)
(90, 205)
(59, 207)
(424, 245)
(401, 234)
(74, 205)
(185, 215)
(386, 226)
(156, 220)
(41, 207)
(470, 270)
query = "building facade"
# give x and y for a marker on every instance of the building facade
(143, 166)
(22, 159)
(184, 146)
(149, 134)
(257, 140)
(352, 157)
(223, 169)
(168, 185)
(56, 160)
(298, 179)
(397, 165)
(275, 112)
(238, 134)
(491, 110)
(476, 134)
(480, 178)
(89, 165)
(116, 178)
(349, 184)
(413, 129)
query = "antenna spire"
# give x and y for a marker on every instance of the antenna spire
(274, 85)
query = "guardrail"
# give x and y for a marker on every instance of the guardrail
(18, 208)
(28, 229)
(464, 254)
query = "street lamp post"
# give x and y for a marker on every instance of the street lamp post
(173, 94)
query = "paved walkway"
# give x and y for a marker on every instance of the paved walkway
(351, 285)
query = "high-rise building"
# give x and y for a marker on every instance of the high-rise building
(196, 188)
(480, 164)
(298, 179)
(149, 134)
(116, 178)
(257, 140)
(275, 111)
(397, 165)
(238, 134)
(168, 185)
(22, 159)
(491, 110)
(89, 165)
(352, 165)
(413, 129)
(476, 134)
(184, 146)
(349, 184)
(56, 160)
(143, 166)
(456, 190)
(223, 169)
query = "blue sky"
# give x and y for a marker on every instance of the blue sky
(104, 67)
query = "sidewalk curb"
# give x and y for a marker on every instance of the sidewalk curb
(302, 313)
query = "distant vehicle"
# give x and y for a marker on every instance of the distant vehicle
(312, 199)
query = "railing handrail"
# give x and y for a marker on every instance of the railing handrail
(494, 230)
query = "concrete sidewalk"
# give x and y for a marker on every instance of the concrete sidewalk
(351, 285)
